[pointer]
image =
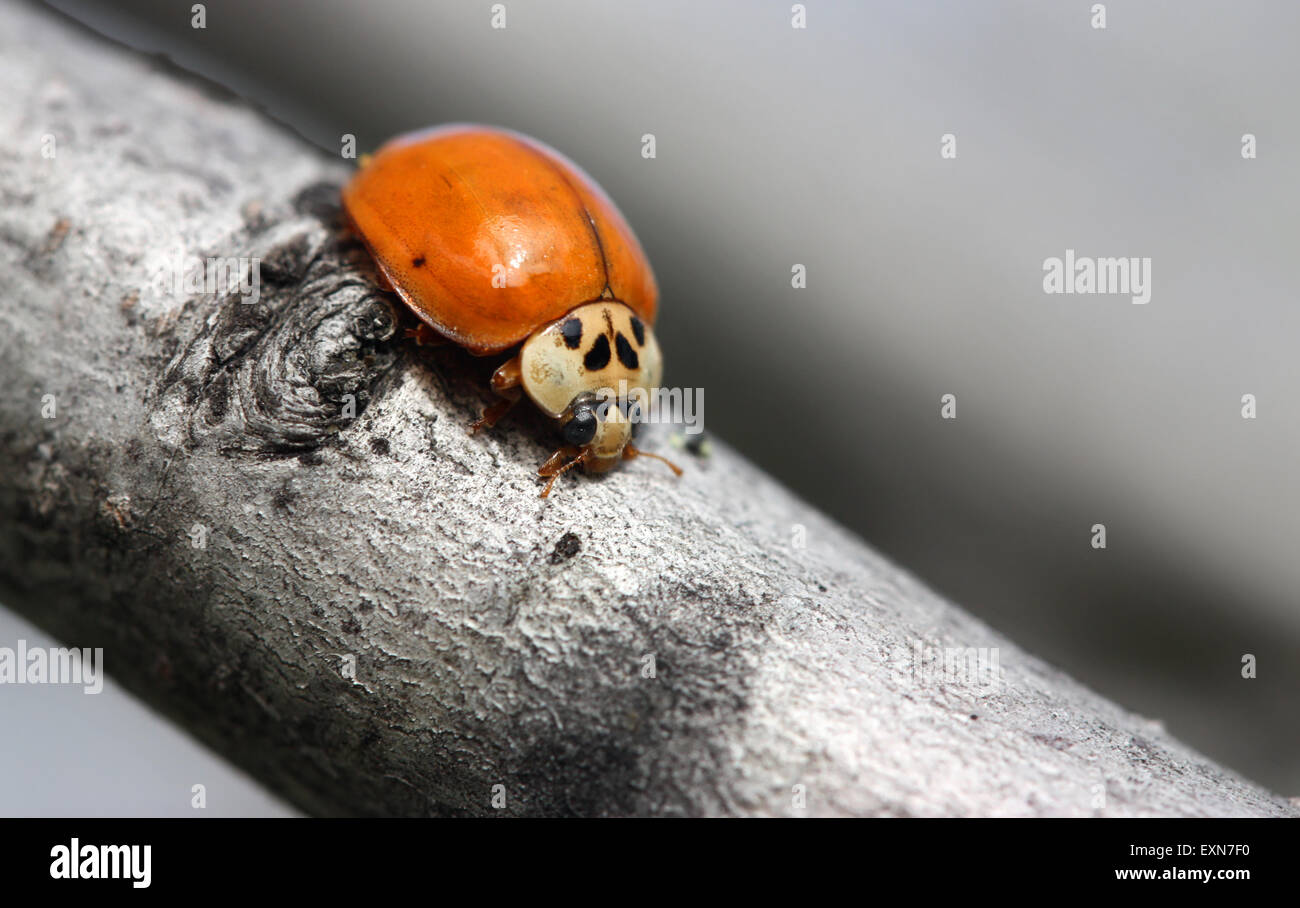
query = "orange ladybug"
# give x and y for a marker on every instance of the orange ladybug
(495, 241)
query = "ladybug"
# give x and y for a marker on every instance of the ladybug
(497, 241)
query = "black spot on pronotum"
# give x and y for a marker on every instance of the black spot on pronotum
(638, 330)
(597, 357)
(626, 355)
(380, 446)
(572, 332)
(418, 261)
(568, 546)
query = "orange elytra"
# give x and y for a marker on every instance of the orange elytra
(495, 240)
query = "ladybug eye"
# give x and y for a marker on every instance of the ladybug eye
(582, 428)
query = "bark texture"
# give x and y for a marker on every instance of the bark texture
(243, 501)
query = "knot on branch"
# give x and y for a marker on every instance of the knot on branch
(282, 373)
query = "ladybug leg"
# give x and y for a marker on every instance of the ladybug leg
(630, 452)
(508, 377)
(425, 336)
(560, 463)
(555, 463)
(492, 414)
(505, 381)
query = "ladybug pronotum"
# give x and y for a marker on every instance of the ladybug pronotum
(496, 241)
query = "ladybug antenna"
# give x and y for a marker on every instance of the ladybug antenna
(629, 451)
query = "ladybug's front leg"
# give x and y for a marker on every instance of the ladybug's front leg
(555, 463)
(559, 463)
(505, 381)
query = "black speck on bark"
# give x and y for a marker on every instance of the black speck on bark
(568, 545)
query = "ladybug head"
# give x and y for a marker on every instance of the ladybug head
(576, 368)
(601, 427)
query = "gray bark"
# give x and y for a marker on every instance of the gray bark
(205, 506)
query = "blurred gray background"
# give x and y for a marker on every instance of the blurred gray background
(820, 146)
(67, 753)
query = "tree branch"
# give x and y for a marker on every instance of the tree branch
(244, 501)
